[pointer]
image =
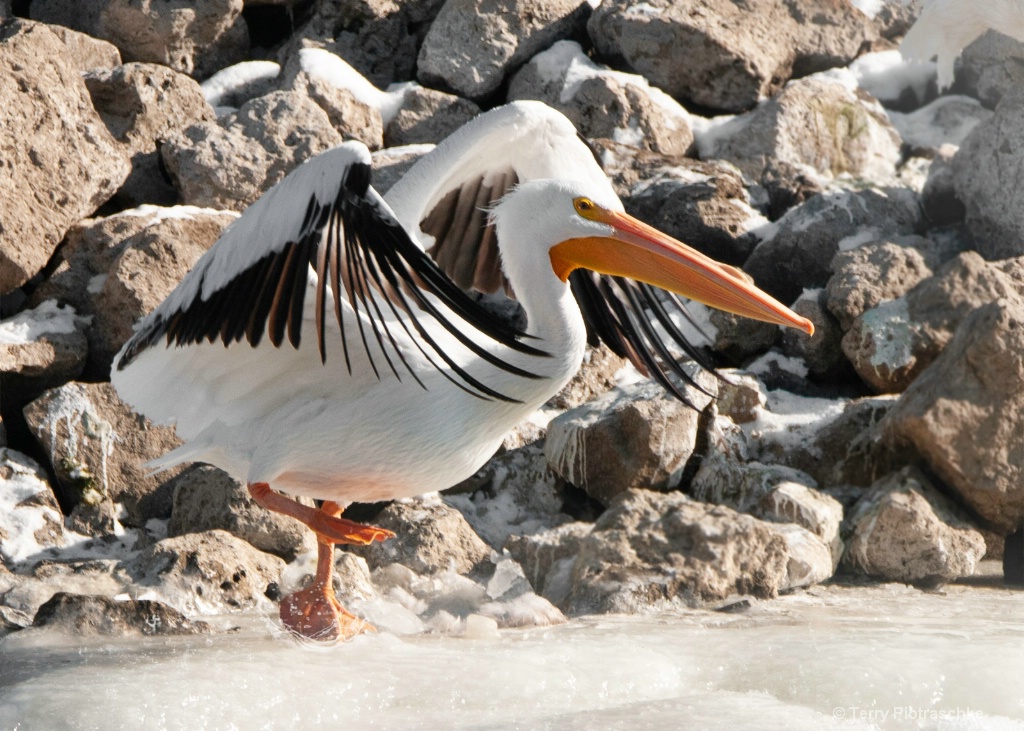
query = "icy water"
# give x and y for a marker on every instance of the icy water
(887, 657)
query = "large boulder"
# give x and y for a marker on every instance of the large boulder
(962, 414)
(42, 347)
(725, 55)
(991, 67)
(427, 116)
(473, 44)
(96, 615)
(53, 144)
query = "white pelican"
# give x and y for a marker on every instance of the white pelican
(317, 349)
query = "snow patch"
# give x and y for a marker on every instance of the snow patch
(22, 523)
(48, 318)
(947, 120)
(321, 64)
(229, 81)
(886, 75)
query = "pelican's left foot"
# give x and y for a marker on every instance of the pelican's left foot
(316, 614)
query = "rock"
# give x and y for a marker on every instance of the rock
(204, 573)
(796, 252)
(816, 124)
(894, 17)
(41, 348)
(652, 550)
(206, 498)
(602, 102)
(634, 436)
(984, 179)
(189, 36)
(30, 518)
(961, 414)
(351, 117)
(547, 558)
(427, 116)
(143, 104)
(774, 493)
(597, 375)
(872, 273)
(726, 56)
(946, 120)
(892, 343)
(56, 147)
(97, 448)
(737, 338)
(473, 45)
(822, 351)
(11, 620)
(88, 616)
(740, 396)
(28, 592)
(938, 196)
(231, 162)
(809, 560)
(86, 52)
(991, 67)
(704, 204)
(430, 537)
(903, 529)
(390, 165)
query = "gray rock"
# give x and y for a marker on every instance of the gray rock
(809, 560)
(738, 339)
(143, 104)
(350, 117)
(89, 616)
(231, 162)
(204, 573)
(961, 414)
(54, 145)
(938, 196)
(796, 252)
(635, 436)
(42, 347)
(723, 55)
(596, 376)
(740, 397)
(430, 537)
(891, 344)
(817, 124)
(547, 558)
(391, 164)
(472, 45)
(87, 52)
(206, 498)
(651, 550)
(188, 35)
(946, 120)
(27, 592)
(515, 492)
(602, 102)
(984, 177)
(822, 351)
(991, 67)
(866, 276)
(428, 116)
(30, 518)
(704, 204)
(903, 529)
(97, 447)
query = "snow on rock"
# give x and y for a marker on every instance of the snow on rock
(96, 615)
(231, 87)
(30, 519)
(947, 120)
(321, 64)
(892, 79)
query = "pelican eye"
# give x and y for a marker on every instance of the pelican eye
(585, 207)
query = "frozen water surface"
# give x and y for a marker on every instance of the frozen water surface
(888, 657)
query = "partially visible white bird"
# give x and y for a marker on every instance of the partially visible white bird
(946, 27)
(326, 345)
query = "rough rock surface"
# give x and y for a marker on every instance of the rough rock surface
(30, 519)
(985, 176)
(938, 196)
(205, 573)
(596, 376)
(428, 116)
(723, 55)
(652, 550)
(636, 436)
(186, 35)
(86, 616)
(351, 117)
(602, 102)
(87, 52)
(97, 448)
(547, 558)
(822, 351)
(961, 414)
(430, 537)
(809, 559)
(390, 164)
(815, 124)
(41, 348)
(797, 251)
(904, 529)
(473, 44)
(231, 162)
(206, 498)
(55, 145)
(991, 67)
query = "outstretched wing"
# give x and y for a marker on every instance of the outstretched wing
(325, 221)
(444, 197)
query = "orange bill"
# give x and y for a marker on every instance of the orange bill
(641, 252)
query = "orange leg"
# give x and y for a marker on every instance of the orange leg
(314, 612)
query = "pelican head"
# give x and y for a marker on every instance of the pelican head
(583, 225)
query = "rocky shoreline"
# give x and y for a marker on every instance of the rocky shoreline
(787, 138)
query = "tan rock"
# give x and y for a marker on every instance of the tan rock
(88, 616)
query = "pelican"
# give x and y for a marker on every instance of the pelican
(330, 344)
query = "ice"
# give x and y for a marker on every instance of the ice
(46, 319)
(885, 657)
